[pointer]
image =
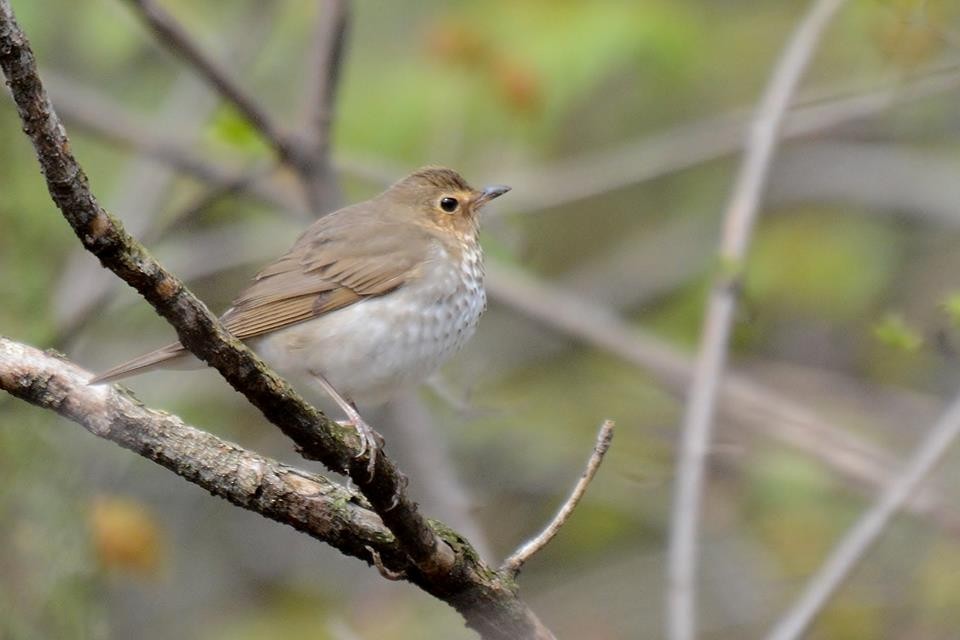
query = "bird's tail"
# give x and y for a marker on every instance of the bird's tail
(142, 364)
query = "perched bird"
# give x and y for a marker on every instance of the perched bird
(370, 299)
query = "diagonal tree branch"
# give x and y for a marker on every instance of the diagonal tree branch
(487, 600)
(97, 114)
(176, 38)
(309, 503)
(308, 154)
(198, 329)
(743, 401)
(329, 42)
(739, 220)
(858, 540)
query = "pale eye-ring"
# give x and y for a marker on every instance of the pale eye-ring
(449, 204)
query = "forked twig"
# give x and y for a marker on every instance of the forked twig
(512, 565)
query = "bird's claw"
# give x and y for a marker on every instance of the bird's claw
(370, 443)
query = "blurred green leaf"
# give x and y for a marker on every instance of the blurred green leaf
(951, 306)
(818, 263)
(231, 129)
(894, 332)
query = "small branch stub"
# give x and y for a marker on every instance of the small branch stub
(515, 562)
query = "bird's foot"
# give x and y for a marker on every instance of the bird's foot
(370, 441)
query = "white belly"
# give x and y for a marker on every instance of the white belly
(373, 349)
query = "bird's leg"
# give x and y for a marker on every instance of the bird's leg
(369, 439)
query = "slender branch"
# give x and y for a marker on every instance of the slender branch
(858, 540)
(309, 503)
(99, 288)
(739, 220)
(560, 184)
(693, 143)
(198, 329)
(175, 37)
(512, 565)
(97, 114)
(331, 34)
(743, 401)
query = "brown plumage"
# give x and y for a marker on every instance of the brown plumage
(363, 251)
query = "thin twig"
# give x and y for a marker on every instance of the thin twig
(738, 224)
(744, 401)
(858, 540)
(99, 115)
(512, 565)
(319, 179)
(389, 574)
(693, 143)
(176, 38)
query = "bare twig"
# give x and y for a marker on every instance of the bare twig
(738, 224)
(176, 38)
(858, 540)
(389, 574)
(331, 33)
(97, 114)
(691, 144)
(512, 565)
(743, 401)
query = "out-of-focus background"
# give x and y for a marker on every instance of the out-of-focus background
(619, 126)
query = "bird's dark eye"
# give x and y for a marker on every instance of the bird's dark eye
(449, 204)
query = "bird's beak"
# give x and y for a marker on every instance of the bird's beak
(488, 194)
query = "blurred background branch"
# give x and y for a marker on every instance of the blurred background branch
(739, 219)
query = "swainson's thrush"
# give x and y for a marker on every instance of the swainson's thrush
(371, 298)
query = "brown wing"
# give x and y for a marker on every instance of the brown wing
(330, 267)
(342, 258)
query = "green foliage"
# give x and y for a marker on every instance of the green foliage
(230, 129)
(827, 264)
(951, 306)
(894, 332)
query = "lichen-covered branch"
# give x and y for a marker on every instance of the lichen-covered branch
(307, 502)
(443, 563)
(198, 329)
